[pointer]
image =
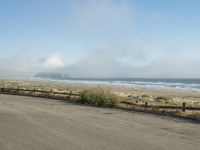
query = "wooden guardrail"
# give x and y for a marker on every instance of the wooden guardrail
(13, 91)
(70, 93)
(183, 107)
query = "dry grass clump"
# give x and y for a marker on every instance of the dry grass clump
(99, 97)
(161, 99)
(195, 115)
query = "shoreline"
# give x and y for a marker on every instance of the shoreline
(107, 83)
(176, 95)
(154, 85)
(129, 98)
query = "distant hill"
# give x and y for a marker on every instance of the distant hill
(51, 75)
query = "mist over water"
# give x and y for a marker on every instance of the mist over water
(102, 39)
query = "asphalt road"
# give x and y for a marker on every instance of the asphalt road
(40, 124)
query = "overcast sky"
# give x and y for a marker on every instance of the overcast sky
(100, 38)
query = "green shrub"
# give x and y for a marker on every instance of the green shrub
(98, 97)
(161, 99)
(145, 96)
(129, 96)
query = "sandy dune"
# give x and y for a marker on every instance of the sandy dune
(41, 124)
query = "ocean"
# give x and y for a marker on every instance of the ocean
(181, 84)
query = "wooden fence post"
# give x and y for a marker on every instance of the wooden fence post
(146, 105)
(184, 105)
(17, 91)
(2, 89)
(34, 90)
(51, 91)
(70, 92)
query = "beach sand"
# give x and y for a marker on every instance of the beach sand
(173, 96)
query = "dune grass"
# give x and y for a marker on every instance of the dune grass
(99, 97)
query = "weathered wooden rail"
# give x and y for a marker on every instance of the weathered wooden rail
(40, 93)
(183, 107)
(35, 90)
(50, 93)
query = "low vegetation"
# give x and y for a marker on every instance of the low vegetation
(98, 97)
(161, 99)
